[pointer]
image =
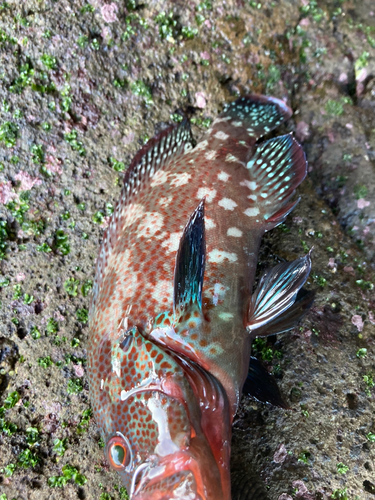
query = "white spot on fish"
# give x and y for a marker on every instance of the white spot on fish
(251, 212)
(227, 204)
(159, 178)
(180, 179)
(116, 366)
(209, 223)
(218, 256)
(232, 159)
(150, 224)
(210, 155)
(223, 119)
(237, 124)
(165, 201)
(249, 184)
(223, 176)
(201, 145)
(172, 243)
(234, 231)
(165, 445)
(221, 135)
(225, 316)
(207, 192)
(218, 293)
(253, 197)
(133, 212)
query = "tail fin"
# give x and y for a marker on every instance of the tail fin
(251, 117)
(276, 168)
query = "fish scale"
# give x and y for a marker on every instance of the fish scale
(174, 278)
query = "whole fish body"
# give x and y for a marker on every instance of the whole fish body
(173, 315)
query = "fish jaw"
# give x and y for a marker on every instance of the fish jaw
(185, 475)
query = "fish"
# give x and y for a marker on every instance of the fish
(173, 312)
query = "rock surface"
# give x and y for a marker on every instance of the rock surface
(83, 86)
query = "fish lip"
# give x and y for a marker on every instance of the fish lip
(184, 463)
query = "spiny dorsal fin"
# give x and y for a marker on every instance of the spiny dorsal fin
(277, 291)
(155, 155)
(251, 117)
(190, 263)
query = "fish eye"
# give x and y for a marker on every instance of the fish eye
(119, 452)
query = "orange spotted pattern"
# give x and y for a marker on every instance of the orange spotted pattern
(168, 384)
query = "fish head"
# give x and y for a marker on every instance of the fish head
(152, 426)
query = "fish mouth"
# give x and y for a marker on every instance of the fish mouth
(176, 479)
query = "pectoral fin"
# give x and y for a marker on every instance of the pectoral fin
(291, 317)
(277, 291)
(190, 263)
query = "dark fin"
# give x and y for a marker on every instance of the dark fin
(190, 263)
(276, 168)
(262, 386)
(291, 317)
(276, 292)
(251, 117)
(246, 485)
(155, 155)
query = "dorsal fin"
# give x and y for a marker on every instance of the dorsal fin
(190, 263)
(154, 156)
(277, 167)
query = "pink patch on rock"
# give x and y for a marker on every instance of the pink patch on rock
(331, 263)
(308, 334)
(362, 203)
(280, 454)
(343, 78)
(205, 55)
(6, 193)
(361, 75)
(53, 165)
(349, 126)
(350, 270)
(371, 317)
(20, 277)
(284, 496)
(302, 131)
(200, 100)
(109, 12)
(297, 220)
(128, 139)
(358, 322)
(78, 370)
(302, 492)
(27, 182)
(304, 22)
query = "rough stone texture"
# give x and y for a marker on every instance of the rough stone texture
(121, 72)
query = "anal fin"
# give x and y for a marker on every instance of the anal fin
(190, 263)
(262, 386)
